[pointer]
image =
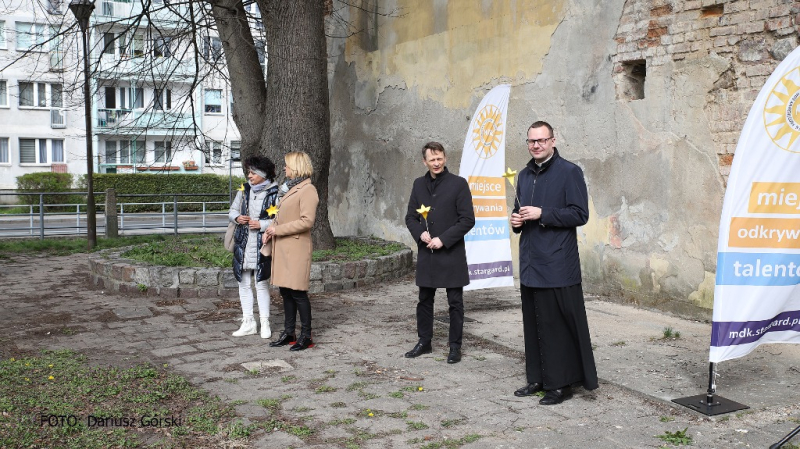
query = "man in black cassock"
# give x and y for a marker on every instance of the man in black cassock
(552, 202)
(441, 254)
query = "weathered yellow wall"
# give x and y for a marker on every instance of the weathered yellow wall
(479, 42)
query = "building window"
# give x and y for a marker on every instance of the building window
(136, 49)
(28, 153)
(214, 101)
(35, 95)
(139, 152)
(56, 52)
(3, 93)
(236, 150)
(213, 153)
(57, 150)
(42, 151)
(2, 34)
(162, 99)
(25, 94)
(212, 49)
(4, 150)
(261, 51)
(34, 151)
(30, 35)
(136, 97)
(108, 44)
(125, 152)
(162, 151)
(161, 46)
(56, 100)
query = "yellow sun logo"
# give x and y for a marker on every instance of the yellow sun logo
(782, 112)
(488, 134)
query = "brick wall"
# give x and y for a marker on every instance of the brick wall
(754, 35)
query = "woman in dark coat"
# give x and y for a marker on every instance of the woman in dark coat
(250, 211)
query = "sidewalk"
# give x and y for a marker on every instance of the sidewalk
(361, 336)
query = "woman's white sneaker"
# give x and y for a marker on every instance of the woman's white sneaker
(248, 328)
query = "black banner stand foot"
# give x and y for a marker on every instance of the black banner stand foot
(709, 404)
(786, 438)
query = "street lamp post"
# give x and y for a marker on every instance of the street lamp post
(82, 9)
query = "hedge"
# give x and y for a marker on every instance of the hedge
(164, 186)
(47, 182)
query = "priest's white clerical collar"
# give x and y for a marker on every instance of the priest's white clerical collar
(545, 161)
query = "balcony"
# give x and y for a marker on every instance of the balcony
(152, 122)
(115, 66)
(58, 118)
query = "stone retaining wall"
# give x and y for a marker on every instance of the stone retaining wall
(109, 270)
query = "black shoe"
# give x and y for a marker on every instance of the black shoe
(454, 356)
(557, 396)
(283, 340)
(418, 350)
(528, 390)
(302, 343)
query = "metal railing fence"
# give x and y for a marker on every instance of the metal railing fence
(38, 218)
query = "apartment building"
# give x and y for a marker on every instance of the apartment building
(152, 111)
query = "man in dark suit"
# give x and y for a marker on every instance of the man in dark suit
(441, 255)
(553, 202)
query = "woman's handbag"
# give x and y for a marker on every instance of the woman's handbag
(228, 242)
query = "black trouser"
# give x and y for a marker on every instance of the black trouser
(294, 301)
(455, 299)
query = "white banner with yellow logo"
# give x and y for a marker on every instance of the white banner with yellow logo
(482, 164)
(757, 293)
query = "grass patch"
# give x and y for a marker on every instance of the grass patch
(668, 333)
(286, 379)
(63, 246)
(103, 406)
(179, 251)
(397, 394)
(666, 419)
(338, 404)
(416, 425)
(452, 443)
(351, 250)
(618, 343)
(342, 422)
(419, 407)
(188, 250)
(357, 386)
(365, 395)
(451, 422)
(677, 438)
(270, 403)
(325, 389)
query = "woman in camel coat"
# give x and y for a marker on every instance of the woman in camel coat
(290, 233)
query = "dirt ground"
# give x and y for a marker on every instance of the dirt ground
(354, 389)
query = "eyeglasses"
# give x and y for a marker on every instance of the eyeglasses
(532, 142)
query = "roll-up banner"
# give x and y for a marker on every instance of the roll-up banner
(757, 292)
(483, 163)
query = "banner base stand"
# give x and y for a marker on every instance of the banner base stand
(710, 405)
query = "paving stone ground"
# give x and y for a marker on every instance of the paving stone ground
(357, 366)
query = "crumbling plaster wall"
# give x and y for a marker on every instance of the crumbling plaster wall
(414, 71)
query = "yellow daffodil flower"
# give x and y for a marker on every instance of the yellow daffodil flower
(423, 210)
(510, 175)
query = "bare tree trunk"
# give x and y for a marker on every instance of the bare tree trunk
(298, 116)
(244, 70)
